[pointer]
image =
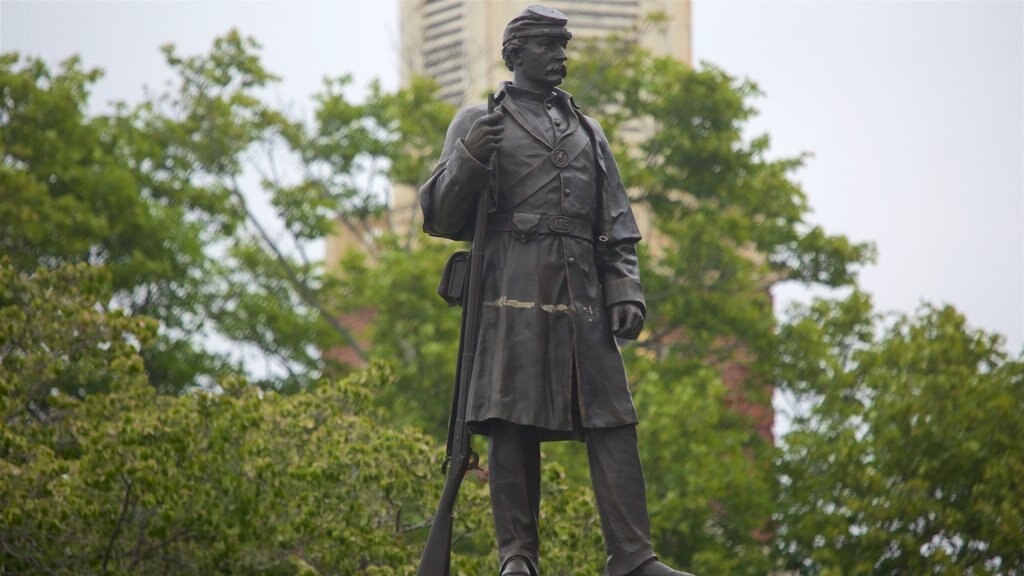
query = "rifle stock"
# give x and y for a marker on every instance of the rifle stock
(436, 559)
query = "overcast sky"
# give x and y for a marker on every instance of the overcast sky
(914, 111)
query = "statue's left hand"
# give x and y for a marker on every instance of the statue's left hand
(627, 319)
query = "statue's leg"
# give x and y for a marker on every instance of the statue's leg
(514, 478)
(618, 481)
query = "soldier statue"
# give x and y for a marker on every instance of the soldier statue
(560, 282)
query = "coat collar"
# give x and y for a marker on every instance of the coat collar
(509, 93)
(508, 88)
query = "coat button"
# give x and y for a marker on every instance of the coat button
(572, 260)
(568, 191)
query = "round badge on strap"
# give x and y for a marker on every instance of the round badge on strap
(559, 157)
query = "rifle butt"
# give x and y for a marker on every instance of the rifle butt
(436, 559)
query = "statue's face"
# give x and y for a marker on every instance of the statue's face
(542, 61)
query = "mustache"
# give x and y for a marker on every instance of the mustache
(560, 68)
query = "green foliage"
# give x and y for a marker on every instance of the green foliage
(130, 481)
(48, 144)
(67, 195)
(227, 482)
(161, 194)
(710, 487)
(729, 222)
(56, 339)
(907, 460)
(412, 327)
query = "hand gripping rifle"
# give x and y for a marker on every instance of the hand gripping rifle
(460, 458)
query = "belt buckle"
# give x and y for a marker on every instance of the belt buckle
(560, 224)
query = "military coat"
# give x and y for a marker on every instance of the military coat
(561, 248)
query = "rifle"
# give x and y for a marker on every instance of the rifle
(460, 457)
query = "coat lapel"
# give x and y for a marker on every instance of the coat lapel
(526, 121)
(574, 123)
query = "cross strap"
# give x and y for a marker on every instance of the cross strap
(543, 171)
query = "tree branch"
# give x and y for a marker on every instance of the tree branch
(120, 521)
(274, 177)
(300, 286)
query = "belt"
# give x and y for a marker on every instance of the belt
(526, 226)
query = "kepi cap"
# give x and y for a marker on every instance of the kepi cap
(537, 21)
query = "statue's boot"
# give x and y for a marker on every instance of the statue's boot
(517, 566)
(655, 568)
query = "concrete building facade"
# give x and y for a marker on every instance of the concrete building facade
(458, 42)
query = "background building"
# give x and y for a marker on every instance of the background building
(458, 42)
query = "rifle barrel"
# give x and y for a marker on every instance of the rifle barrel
(436, 559)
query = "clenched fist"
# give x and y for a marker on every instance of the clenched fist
(627, 319)
(484, 136)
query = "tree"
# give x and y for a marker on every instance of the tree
(129, 481)
(162, 194)
(906, 460)
(69, 197)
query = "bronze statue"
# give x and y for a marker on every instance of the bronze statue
(559, 281)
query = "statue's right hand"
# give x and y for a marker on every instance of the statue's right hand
(484, 136)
